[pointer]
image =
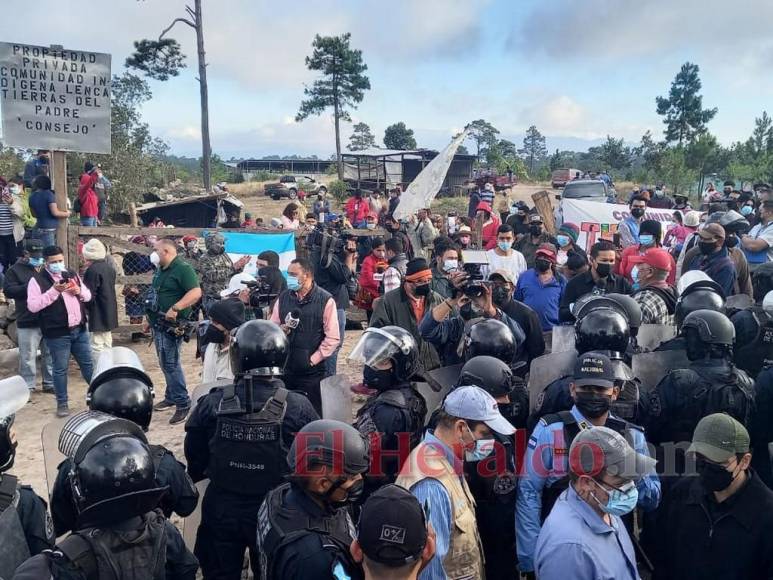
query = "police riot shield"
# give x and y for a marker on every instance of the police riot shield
(205, 388)
(118, 360)
(739, 302)
(651, 367)
(651, 336)
(445, 378)
(336, 399)
(546, 369)
(52, 457)
(192, 522)
(432, 398)
(563, 338)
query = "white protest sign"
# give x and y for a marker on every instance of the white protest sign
(54, 98)
(599, 220)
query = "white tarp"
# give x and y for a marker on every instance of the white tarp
(598, 220)
(55, 98)
(427, 184)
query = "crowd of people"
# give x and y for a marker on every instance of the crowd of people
(485, 445)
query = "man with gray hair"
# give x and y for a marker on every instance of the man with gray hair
(584, 536)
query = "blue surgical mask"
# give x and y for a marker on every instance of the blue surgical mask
(562, 240)
(293, 283)
(36, 262)
(646, 239)
(483, 448)
(621, 501)
(56, 267)
(450, 265)
(747, 210)
(504, 246)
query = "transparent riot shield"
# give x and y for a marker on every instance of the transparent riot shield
(546, 369)
(52, 457)
(651, 336)
(205, 388)
(192, 522)
(445, 377)
(118, 357)
(651, 367)
(336, 399)
(563, 338)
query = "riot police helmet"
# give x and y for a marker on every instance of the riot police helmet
(126, 397)
(328, 443)
(711, 327)
(762, 281)
(701, 295)
(631, 308)
(488, 373)
(489, 337)
(767, 303)
(590, 302)
(733, 222)
(602, 329)
(259, 348)
(377, 346)
(619, 365)
(14, 394)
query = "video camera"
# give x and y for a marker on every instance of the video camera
(261, 294)
(473, 262)
(324, 241)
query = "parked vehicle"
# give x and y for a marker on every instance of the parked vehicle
(560, 177)
(500, 181)
(293, 186)
(586, 190)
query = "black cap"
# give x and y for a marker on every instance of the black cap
(228, 312)
(33, 246)
(393, 527)
(594, 369)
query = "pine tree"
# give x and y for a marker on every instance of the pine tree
(534, 148)
(361, 138)
(484, 134)
(398, 136)
(683, 112)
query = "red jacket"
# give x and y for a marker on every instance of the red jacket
(625, 266)
(356, 210)
(87, 196)
(489, 233)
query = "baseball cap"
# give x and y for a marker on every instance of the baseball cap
(535, 218)
(504, 274)
(712, 232)
(594, 369)
(658, 258)
(475, 404)
(718, 437)
(547, 251)
(692, 219)
(33, 246)
(237, 283)
(392, 529)
(463, 230)
(600, 448)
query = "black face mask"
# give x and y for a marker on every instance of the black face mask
(422, 290)
(353, 494)
(391, 228)
(603, 269)
(535, 230)
(500, 295)
(731, 241)
(713, 477)
(380, 380)
(214, 335)
(469, 311)
(637, 212)
(542, 265)
(592, 405)
(707, 248)
(509, 411)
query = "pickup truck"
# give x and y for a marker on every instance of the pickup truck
(291, 185)
(585, 189)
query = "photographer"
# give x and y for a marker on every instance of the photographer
(334, 272)
(270, 274)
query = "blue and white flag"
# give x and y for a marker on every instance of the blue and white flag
(238, 244)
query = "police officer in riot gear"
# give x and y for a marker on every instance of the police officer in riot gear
(762, 426)
(304, 528)
(238, 436)
(754, 327)
(594, 389)
(25, 527)
(489, 337)
(121, 388)
(496, 377)
(396, 414)
(118, 529)
(696, 292)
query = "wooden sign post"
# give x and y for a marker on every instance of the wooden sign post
(59, 181)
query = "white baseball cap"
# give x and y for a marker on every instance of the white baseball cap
(237, 284)
(475, 404)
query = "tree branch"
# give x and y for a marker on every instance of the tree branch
(190, 11)
(175, 21)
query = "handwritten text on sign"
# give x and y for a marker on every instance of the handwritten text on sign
(55, 98)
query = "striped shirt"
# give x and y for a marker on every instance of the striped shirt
(6, 220)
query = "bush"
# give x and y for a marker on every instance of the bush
(338, 189)
(264, 175)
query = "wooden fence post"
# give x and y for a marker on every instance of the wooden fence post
(59, 181)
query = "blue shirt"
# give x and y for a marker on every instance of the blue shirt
(432, 492)
(542, 468)
(39, 205)
(576, 543)
(544, 299)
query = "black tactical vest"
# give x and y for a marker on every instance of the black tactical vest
(280, 524)
(404, 398)
(757, 353)
(247, 453)
(13, 548)
(310, 332)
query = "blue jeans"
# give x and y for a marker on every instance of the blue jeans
(29, 341)
(89, 222)
(46, 236)
(168, 351)
(76, 343)
(332, 361)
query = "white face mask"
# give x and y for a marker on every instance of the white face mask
(154, 259)
(450, 265)
(14, 189)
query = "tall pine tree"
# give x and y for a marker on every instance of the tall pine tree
(683, 112)
(534, 148)
(361, 138)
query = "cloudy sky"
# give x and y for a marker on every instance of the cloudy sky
(578, 70)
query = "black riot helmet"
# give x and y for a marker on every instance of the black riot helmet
(631, 308)
(762, 281)
(112, 477)
(328, 443)
(388, 343)
(260, 348)
(620, 368)
(488, 373)
(489, 337)
(712, 327)
(602, 329)
(704, 295)
(14, 394)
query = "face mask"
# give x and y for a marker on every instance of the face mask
(563, 240)
(35, 262)
(14, 189)
(154, 259)
(500, 295)
(377, 379)
(191, 245)
(714, 477)
(635, 274)
(422, 290)
(465, 241)
(353, 494)
(450, 265)
(214, 334)
(535, 230)
(56, 267)
(293, 283)
(603, 269)
(370, 226)
(707, 248)
(482, 449)
(621, 501)
(542, 265)
(731, 241)
(592, 405)
(470, 311)
(646, 239)
(504, 246)
(216, 248)
(747, 210)
(637, 212)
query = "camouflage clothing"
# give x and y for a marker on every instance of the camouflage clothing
(214, 267)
